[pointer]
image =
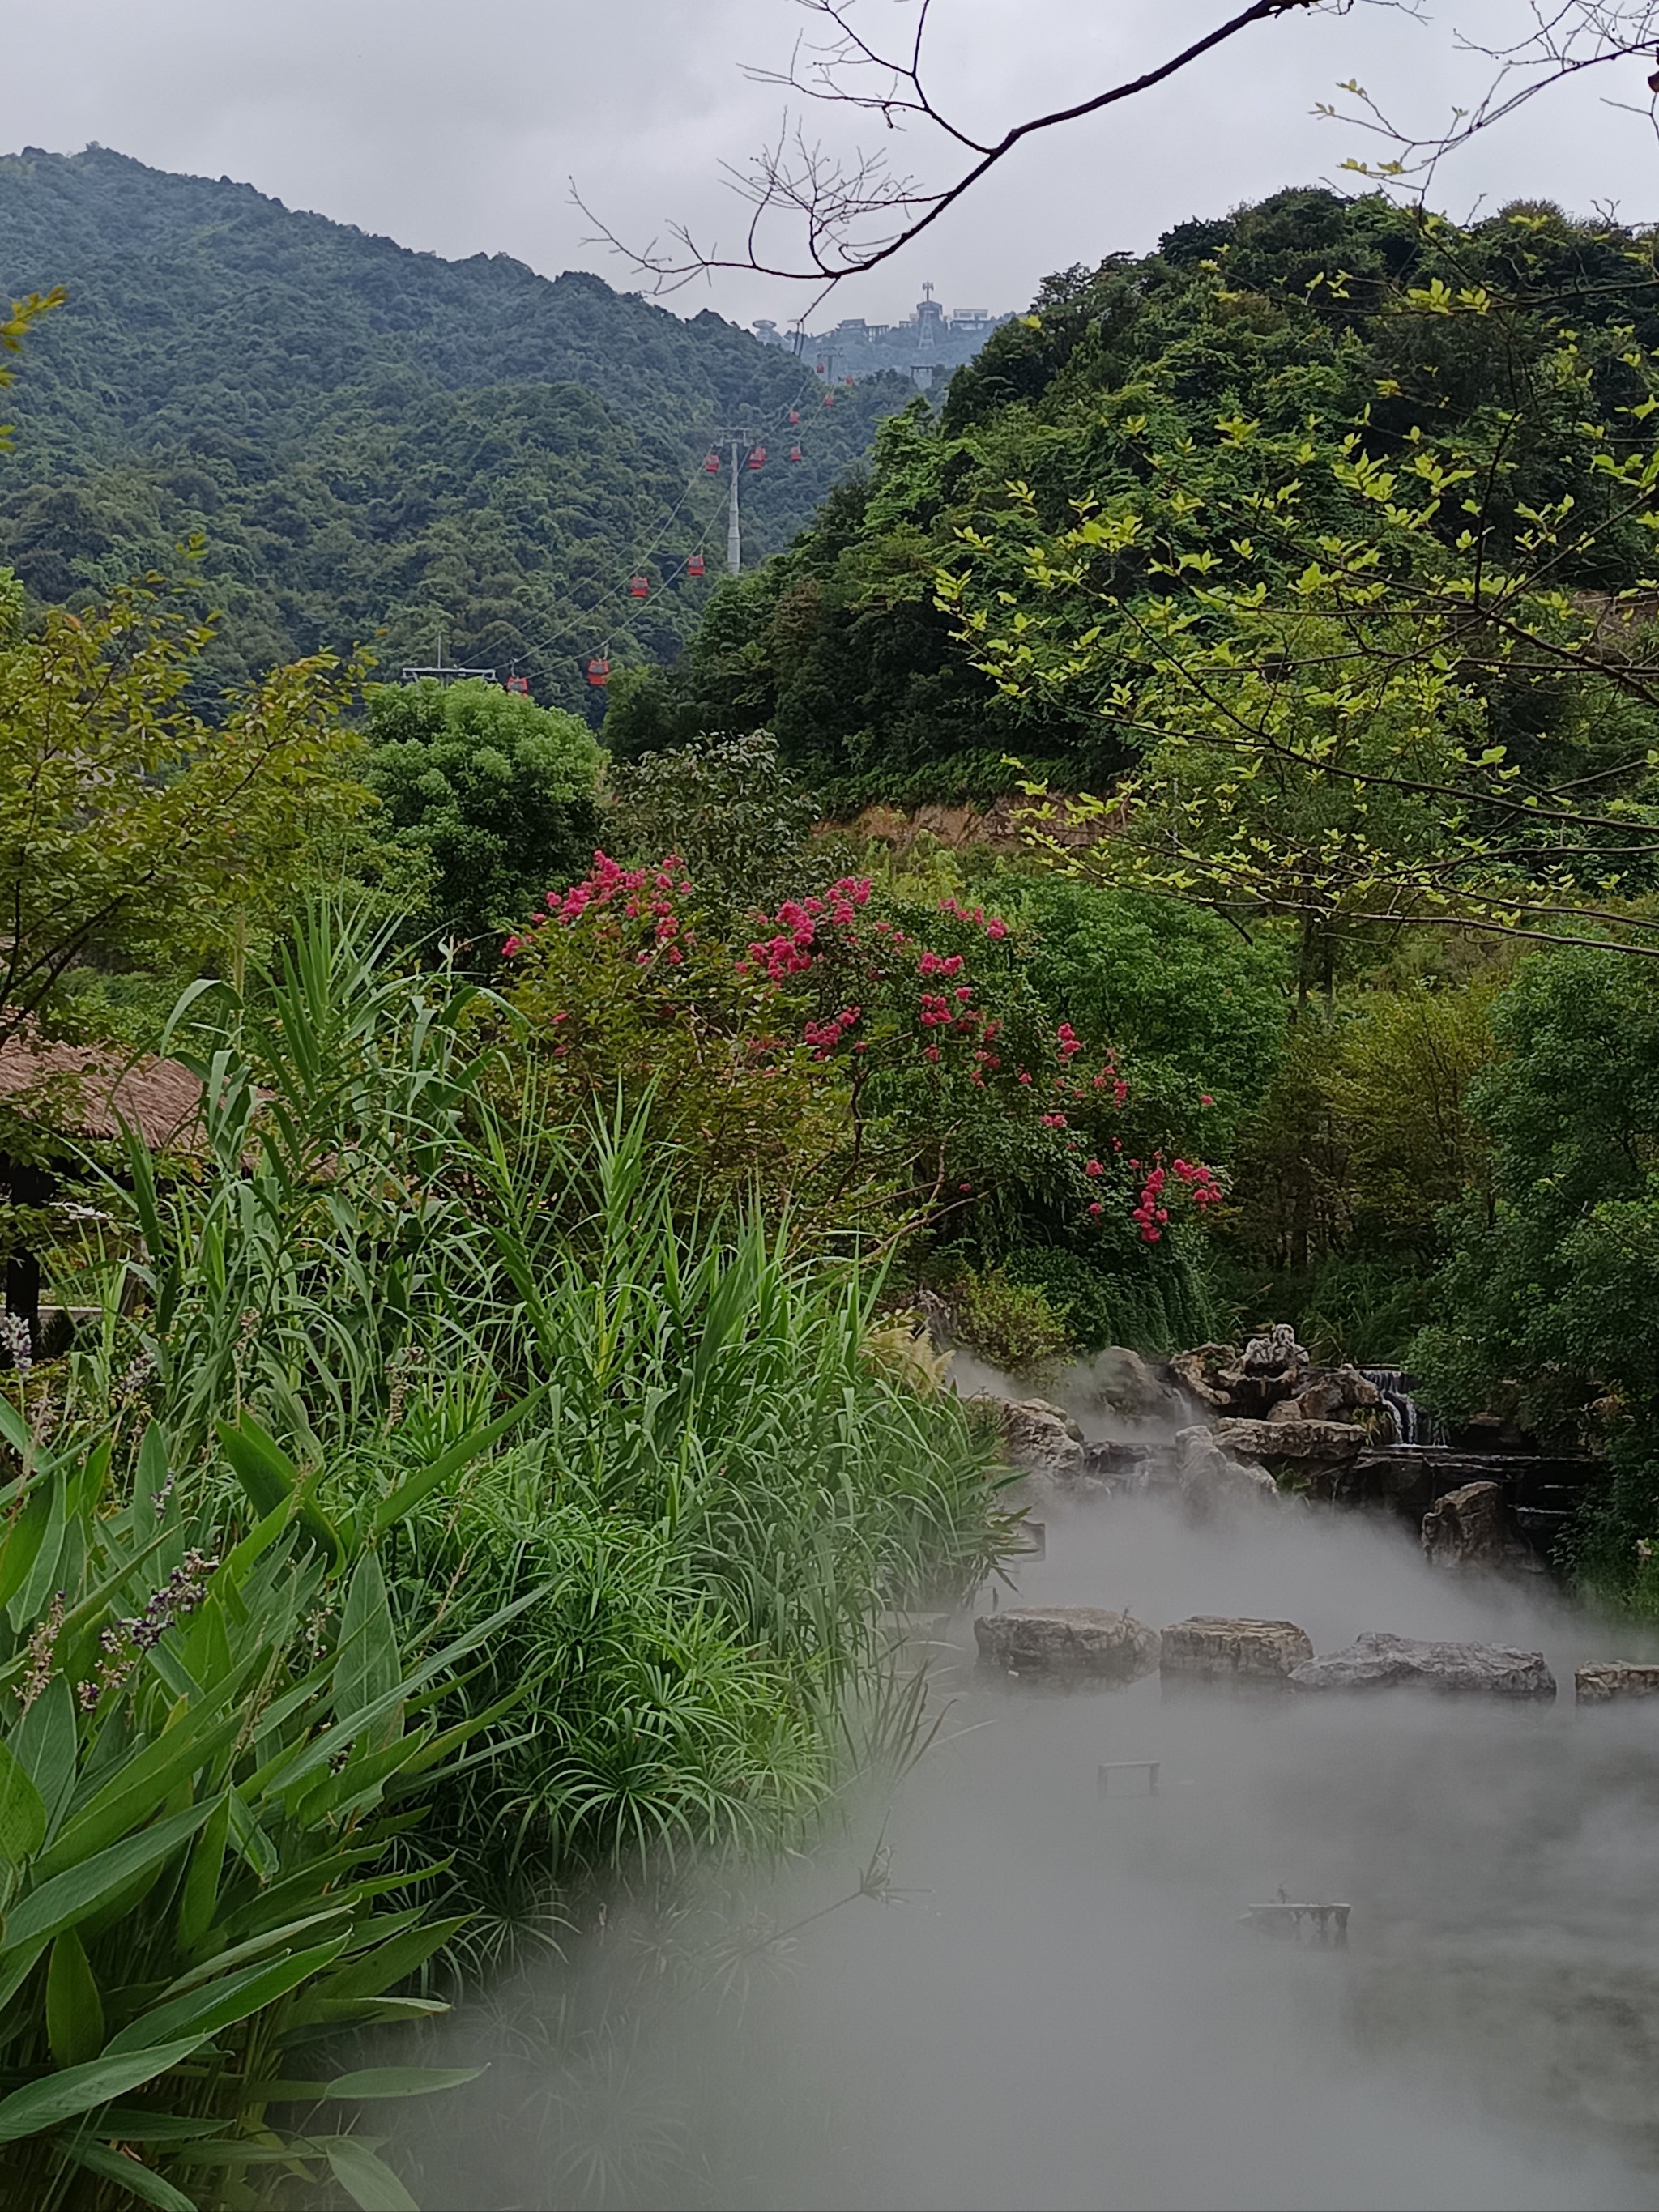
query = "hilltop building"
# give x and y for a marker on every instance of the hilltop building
(925, 347)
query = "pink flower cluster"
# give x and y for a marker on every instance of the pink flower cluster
(1068, 1042)
(825, 1037)
(1151, 1214)
(789, 951)
(639, 894)
(1200, 1181)
(993, 925)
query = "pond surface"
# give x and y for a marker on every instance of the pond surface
(1056, 2004)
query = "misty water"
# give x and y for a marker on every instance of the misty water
(1054, 2002)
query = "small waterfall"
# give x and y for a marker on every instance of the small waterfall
(1407, 1423)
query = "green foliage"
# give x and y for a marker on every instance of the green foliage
(1549, 1284)
(1174, 986)
(1010, 1323)
(838, 647)
(1162, 1309)
(1365, 1134)
(1364, 594)
(198, 1787)
(725, 806)
(868, 1057)
(426, 1519)
(494, 793)
(377, 446)
(13, 331)
(132, 832)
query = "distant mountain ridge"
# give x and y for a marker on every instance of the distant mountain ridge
(374, 440)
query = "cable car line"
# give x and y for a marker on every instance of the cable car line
(598, 669)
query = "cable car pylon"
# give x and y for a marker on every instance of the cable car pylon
(745, 448)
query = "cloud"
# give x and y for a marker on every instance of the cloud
(457, 130)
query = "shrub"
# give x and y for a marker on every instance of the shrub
(1010, 1323)
(494, 791)
(868, 1056)
(726, 808)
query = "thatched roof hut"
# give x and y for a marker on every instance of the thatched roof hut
(89, 1090)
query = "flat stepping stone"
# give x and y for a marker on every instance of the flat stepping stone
(1381, 1661)
(1068, 1640)
(1614, 1679)
(1210, 1649)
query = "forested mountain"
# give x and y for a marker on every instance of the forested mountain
(1188, 387)
(371, 439)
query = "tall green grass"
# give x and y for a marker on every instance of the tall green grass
(555, 1538)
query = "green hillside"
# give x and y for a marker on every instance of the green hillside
(1310, 320)
(370, 439)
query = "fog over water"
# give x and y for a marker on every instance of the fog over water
(1061, 2006)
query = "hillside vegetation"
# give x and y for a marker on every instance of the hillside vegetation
(1292, 325)
(372, 439)
(471, 1478)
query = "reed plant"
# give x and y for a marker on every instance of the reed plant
(434, 1517)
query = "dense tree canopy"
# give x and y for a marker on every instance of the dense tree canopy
(377, 445)
(134, 834)
(494, 793)
(1308, 350)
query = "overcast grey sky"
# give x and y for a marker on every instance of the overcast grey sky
(457, 128)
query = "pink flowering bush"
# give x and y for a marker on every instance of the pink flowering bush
(622, 997)
(870, 1058)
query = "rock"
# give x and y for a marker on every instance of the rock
(1208, 1479)
(1381, 1661)
(1041, 1439)
(1126, 1468)
(1329, 1444)
(1469, 1527)
(1068, 1640)
(1198, 1373)
(1328, 1394)
(1614, 1677)
(1217, 1650)
(1276, 1354)
(1270, 1368)
(1119, 1381)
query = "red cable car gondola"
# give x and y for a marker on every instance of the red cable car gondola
(758, 457)
(638, 587)
(829, 398)
(794, 417)
(711, 466)
(796, 454)
(819, 370)
(599, 672)
(846, 380)
(693, 567)
(519, 683)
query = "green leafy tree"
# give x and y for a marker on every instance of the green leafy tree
(1549, 1296)
(133, 833)
(727, 806)
(1570, 1106)
(13, 331)
(495, 792)
(1376, 639)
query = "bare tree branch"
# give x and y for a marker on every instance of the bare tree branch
(1564, 40)
(817, 217)
(849, 213)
